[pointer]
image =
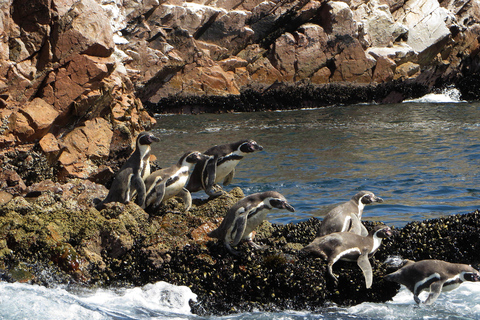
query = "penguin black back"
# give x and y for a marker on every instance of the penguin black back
(130, 179)
(219, 166)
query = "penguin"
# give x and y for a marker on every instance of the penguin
(219, 166)
(434, 276)
(130, 179)
(244, 216)
(166, 183)
(347, 216)
(349, 246)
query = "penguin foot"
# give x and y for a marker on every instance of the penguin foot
(256, 246)
(231, 250)
(333, 275)
(215, 191)
(173, 211)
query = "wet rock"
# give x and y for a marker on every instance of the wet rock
(123, 245)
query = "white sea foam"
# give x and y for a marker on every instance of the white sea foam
(448, 95)
(164, 301)
(153, 301)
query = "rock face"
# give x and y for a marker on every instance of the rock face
(62, 90)
(73, 70)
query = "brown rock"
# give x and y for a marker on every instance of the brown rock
(284, 55)
(49, 144)
(5, 197)
(232, 63)
(10, 181)
(84, 69)
(18, 124)
(92, 140)
(337, 19)
(199, 234)
(384, 70)
(40, 116)
(352, 64)
(310, 53)
(263, 72)
(321, 76)
(407, 70)
(84, 29)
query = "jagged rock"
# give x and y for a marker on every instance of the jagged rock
(427, 26)
(84, 29)
(380, 29)
(92, 59)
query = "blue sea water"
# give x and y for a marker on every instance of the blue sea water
(422, 157)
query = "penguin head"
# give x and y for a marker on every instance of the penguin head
(367, 197)
(194, 156)
(280, 202)
(249, 146)
(382, 231)
(146, 138)
(470, 276)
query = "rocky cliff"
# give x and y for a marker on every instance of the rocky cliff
(75, 75)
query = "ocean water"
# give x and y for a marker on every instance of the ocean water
(422, 157)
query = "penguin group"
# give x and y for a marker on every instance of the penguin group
(341, 234)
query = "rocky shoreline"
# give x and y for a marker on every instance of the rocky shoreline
(78, 96)
(79, 79)
(56, 237)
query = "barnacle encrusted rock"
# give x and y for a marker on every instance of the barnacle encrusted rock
(56, 236)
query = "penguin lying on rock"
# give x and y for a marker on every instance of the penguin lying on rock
(247, 214)
(219, 166)
(434, 276)
(347, 216)
(350, 247)
(169, 182)
(130, 179)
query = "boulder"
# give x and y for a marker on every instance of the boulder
(427, 26)
(88, 142)
(352, 64)
(380, 28)
(84, 29)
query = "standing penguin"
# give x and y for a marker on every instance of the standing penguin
(244, 216)
(130, 179)
(434, 276)
(219, 166)
(166, 183)
(347, 216)
(349, 246)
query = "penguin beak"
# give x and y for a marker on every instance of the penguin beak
(377, 199)
(153, 138)
(388, 231)
(288, 207)
(255, 147)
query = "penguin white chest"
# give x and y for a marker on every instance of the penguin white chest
(178, 182)
(224, 169)
(254, 221)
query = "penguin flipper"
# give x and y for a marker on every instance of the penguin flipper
(159, 194)
(209, 172)
(139, 186)
(366, 267)
(229, 178)
(209, 175)
(240, 226)
(186, 197)
(435, 290)
(356, 226)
